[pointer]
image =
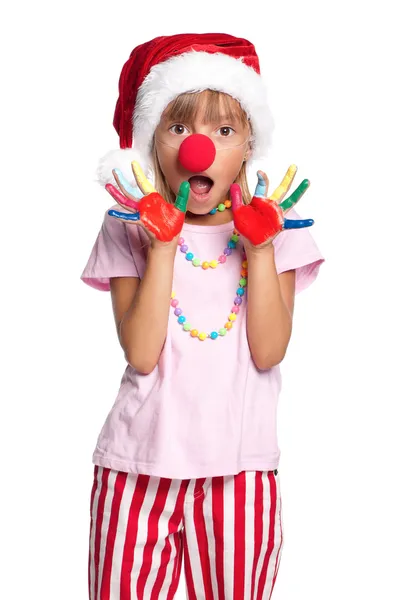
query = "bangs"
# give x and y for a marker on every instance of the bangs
(217, 107)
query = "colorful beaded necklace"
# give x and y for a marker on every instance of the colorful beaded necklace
(221, 207)
(211, 263)
(240, 292)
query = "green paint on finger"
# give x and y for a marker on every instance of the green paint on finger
(182, 198)
(295, 197)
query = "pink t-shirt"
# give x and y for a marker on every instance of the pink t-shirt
(205, 410)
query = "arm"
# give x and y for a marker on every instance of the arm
(142, 309)
(270, 308)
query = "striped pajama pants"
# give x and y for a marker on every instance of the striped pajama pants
(228, 529)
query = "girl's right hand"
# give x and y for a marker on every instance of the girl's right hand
(162, 221)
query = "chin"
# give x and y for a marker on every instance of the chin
(199, 210)
(202, 207)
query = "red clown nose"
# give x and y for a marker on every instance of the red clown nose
(197, 153)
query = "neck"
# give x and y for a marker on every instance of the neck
(219, 218)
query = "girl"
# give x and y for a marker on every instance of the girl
(202, 278)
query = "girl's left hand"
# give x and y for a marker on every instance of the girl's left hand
(263, 219)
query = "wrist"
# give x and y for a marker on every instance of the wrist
(260, 252)
(165, 249)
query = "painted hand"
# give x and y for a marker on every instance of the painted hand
(148, 208)
(262, 219)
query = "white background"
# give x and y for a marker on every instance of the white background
(331, 76)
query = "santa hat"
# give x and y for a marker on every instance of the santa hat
(161, 69)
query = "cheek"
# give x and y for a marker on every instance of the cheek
(227, 166)
(169, 165)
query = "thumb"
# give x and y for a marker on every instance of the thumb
(183, 195)
(236, 196)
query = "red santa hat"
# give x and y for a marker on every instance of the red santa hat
(161, 69)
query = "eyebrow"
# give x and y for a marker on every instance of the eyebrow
(220, 119)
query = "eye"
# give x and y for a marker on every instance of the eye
(226, 131)
(178, 129)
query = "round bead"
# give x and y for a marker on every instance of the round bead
(228, 325)
(231, 244)
(214, 335)
(205, 265)
(178, 312)
(227, 251)
(221, 207)
(173, 294)
(234, 237)
(240, 291)
(235, 309)
(194, 332)
(181, 319)
(174, 303)
(222, 259)
(196, 262)
(232, 317)
(222, 331)
(245, 264)
(187, 327)
(184, 248)
(213, 264)
(213, 211)
(238, 300)
(244, 272)
(189, 256)
(202, 336)
(228, 203)
(242, 282)
(180, 241)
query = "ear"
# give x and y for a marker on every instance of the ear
(248, 154)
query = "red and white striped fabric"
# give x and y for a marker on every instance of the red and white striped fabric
(227, 529)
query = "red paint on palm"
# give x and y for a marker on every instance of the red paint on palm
(259, 221)
(161, 218)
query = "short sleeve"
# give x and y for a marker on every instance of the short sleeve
(297, 249)
(111, 255)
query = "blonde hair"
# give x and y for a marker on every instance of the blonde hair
(184, 108)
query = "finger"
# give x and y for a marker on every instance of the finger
(262, 185)
(120, 199)
(284, 186)
(145, 186)
(127, 217)
(182, 197)
(236, 196)
(295, 197)
(297, 223)
(134, 193)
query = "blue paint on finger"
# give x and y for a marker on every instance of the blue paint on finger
(261, 187)
(133, 191)
(297, 223)
(124, 216)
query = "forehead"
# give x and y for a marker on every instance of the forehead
(206, 107)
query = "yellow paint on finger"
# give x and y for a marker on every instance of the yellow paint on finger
(145, 186)
(285, 184)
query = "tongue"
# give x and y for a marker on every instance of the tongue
(200, 184)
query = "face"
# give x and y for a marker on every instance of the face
(209, 187)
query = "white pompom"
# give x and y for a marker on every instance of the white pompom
(121, 159)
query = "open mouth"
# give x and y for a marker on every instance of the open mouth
(200, 186)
